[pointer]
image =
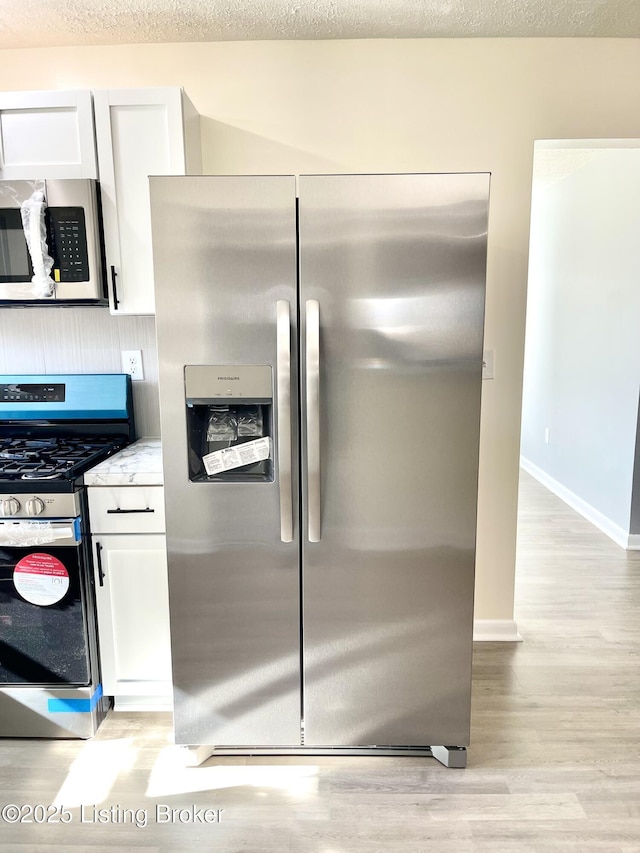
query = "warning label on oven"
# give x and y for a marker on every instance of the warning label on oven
(41, 579)
(236, 457)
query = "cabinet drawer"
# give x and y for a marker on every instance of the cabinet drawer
(126, 509)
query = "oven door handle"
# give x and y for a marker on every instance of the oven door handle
(21, 533)
(119, 511)
(99, 562)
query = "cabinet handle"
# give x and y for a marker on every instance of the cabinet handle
(116, 301)
(123, 511)
(99, 556)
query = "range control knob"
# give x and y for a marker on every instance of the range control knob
(35, 506)
(9, 506)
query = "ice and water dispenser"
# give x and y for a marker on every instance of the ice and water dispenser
(229, 422)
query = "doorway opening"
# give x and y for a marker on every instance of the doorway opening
(580, 425)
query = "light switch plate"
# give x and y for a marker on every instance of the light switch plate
(488, 371)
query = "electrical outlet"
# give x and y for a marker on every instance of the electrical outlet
(547, 435)
(132, 363)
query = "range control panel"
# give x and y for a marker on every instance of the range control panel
(49, 393)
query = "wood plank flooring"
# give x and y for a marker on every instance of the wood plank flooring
(554, 763)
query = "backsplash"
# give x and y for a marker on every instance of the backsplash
(82, 340)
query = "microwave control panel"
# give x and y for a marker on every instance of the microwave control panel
(68, 243)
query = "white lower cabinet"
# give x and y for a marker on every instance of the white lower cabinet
(130, 571)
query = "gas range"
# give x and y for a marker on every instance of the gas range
(52, 430)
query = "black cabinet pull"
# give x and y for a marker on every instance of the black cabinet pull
(123, 511)
(99, 556)
(116, 301)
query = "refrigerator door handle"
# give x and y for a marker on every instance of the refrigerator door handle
(313, 418)
(283, 332)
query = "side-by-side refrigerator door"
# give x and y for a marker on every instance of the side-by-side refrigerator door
(226, 316)
(392, 281)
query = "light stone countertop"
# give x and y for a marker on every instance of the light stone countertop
(139, 464)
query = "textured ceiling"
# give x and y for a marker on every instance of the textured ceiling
(43, 23)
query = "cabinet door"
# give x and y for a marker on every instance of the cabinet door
(133, 614)
(46, 135)
(139, 132)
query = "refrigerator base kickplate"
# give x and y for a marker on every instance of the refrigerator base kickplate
(450, 756)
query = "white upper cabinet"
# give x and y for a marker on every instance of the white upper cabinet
(46, 135)
(139, 132)
(120, 136)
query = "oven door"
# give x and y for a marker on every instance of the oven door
(43, 604)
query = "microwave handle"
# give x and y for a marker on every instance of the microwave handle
(114, 288)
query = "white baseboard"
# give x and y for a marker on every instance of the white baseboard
(143, 703)
(629, 541)
(495, 630)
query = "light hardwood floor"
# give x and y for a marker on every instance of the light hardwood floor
(554, 763)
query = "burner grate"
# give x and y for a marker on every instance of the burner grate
(53, 457)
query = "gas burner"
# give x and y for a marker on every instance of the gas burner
(48, 470)
(18, 455)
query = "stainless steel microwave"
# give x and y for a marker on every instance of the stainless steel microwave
(51, 243)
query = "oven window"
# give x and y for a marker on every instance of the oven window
(15, 263)
(42, 644)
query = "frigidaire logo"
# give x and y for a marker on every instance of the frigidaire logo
(229, 378)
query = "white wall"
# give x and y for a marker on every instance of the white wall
(582, 357)
(423, 105)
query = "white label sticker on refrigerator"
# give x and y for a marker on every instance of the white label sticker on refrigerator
(236, 457)
(41, 579)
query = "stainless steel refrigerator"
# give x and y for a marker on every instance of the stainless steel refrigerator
(320, 363)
